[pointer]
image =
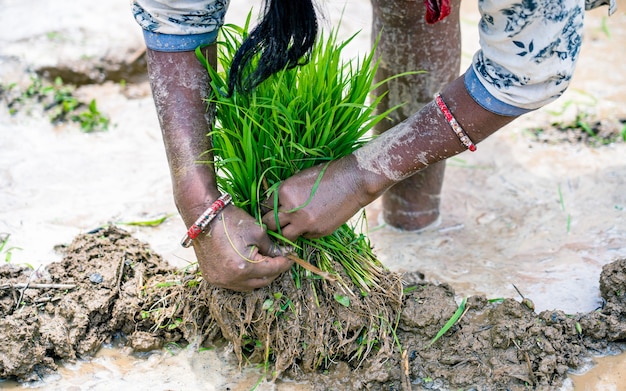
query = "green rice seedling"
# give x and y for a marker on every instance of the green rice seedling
(298, 118)
(562, 203)
(605, 27)
(5, 250)
(451, 322)
(58, 100)
(147, 223)
(91, 119)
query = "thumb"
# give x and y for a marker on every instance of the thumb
(272, 248)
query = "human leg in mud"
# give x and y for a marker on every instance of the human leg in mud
(408, 43)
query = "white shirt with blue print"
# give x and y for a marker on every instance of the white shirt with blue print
(528, 48)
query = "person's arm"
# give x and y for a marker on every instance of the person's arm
(180, 86)
(527, 58)
(232, 253)
(423, 139)
(233, 250)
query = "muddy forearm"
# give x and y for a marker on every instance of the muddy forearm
(180, 85)
(423, 139)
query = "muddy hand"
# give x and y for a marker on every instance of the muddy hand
(316, 201)
(237, 254)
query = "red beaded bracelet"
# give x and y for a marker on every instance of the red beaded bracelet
(205, 218)
(458, 130)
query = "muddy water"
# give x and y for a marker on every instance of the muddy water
(608, 374)
(542, 218)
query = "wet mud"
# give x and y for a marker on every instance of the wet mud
(112, 289)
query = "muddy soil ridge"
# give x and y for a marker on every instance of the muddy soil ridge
(112, 288)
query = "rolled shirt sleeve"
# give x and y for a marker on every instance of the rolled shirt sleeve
(179, 25)
(528, 53)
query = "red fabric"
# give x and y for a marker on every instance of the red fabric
(436, 10)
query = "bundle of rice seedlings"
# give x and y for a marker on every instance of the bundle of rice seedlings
(296, 119)
(339, 301)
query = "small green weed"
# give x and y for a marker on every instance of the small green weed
(344, 300)
(173, 348)
(57, 100)
(167, 284)
(605, 27)
(579, 328)
(5, 250)
(55, 36)
(147, 223)
(175, 323)
(451, 322)
(278, 304)
(562, 203)
(584, 129)
(91, 119)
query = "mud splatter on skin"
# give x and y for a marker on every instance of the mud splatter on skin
(414, 140)
(180, 88)
(408, 147)
(162, 73)
(379, 157)
(494, 346)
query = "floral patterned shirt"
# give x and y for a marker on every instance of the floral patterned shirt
(528, 52)
(528, 49)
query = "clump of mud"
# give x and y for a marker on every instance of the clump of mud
(68, 310)
(111, 286)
